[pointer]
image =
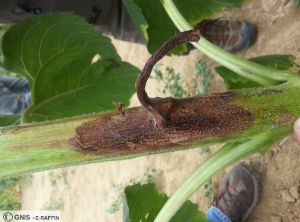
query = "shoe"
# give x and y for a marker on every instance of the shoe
(233, 36)
(239, 193)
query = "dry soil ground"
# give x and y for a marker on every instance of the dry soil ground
(85, 193)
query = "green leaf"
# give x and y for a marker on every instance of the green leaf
(143, 202)
(137, 17)
(280, 62)
(152, 20)
(159, 27)
(296, 3)
(234, 81)
(57, 53)
(7, 120)
(3, 29)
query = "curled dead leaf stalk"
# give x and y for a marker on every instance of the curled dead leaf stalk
(160, 112)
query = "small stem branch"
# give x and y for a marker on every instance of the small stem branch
(147, 103)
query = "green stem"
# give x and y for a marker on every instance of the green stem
(227, 155)
(265, 76)
(46, 145)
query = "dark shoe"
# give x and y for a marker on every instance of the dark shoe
(233, 36)
(239, 193)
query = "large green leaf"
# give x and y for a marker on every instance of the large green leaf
(143, 203)
(159, 26)
(235, 81)
(72, 69)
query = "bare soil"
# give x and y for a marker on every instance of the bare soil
(85, 193)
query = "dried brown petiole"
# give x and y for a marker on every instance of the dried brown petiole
(159, 108)
(119, 106)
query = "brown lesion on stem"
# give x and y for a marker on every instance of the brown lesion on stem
(190, 120)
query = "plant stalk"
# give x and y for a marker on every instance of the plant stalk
(46, 145)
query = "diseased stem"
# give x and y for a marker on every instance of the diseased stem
(147, 103)
(47, 145)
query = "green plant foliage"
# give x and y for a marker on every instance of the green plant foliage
(3, 29)
(6, 120)
(296, 2)
(153, 22)
(204, 149)
(72, 69)
(120, 188)
(209, 191)
(53, 204)
(234, 81)
(10, 199)
(151, 18)
(205, 85)
(281, 62)
(137, 17)
(143, 202)
(172, 81)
